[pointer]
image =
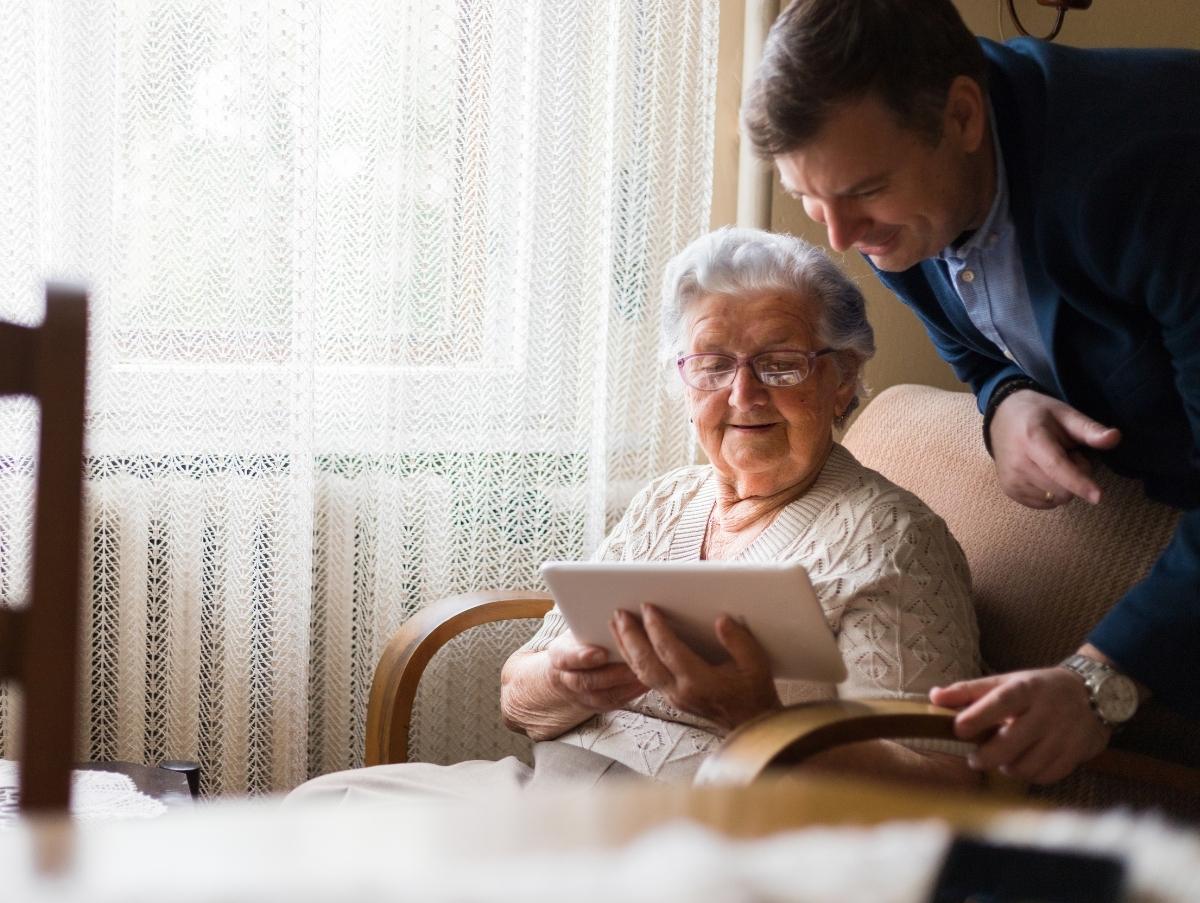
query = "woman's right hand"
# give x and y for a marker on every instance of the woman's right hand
(582, 675)
(543, 694)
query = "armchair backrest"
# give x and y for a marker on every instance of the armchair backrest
(39, 641)
(1042, 579)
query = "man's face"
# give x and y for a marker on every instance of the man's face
(886, 191)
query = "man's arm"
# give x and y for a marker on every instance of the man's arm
(1042, 721)
(1153, 632)
(1139, 230)
(925, 290)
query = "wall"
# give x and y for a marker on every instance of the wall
(905, 354)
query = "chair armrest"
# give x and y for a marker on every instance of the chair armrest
(792, 734)
(394, 687)
(789, 736)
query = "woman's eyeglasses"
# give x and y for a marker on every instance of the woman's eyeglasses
(710, 371)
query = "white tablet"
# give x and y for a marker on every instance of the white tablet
(774, 600)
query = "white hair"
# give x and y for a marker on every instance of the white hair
(734, 263)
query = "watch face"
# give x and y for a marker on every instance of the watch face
(1116, 699)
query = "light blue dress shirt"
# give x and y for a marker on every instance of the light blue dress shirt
(987, 273)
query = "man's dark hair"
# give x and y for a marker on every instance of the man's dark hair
(821, 54)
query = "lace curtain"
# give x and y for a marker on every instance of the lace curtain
(374, 321)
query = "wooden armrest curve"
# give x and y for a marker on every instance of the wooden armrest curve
(789, 736)
(794, 733)
(394, 687)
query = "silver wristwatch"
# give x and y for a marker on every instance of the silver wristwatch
(1114, 696)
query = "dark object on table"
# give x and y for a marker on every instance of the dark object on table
(170, 787)
(189, 769)
(975, 871)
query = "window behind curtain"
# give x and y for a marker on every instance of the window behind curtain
(375, 321)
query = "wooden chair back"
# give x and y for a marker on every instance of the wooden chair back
(39, 642)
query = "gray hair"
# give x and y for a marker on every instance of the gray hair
(735, 262)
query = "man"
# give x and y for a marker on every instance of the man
(1038, 206)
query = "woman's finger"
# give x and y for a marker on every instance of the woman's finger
(598, 679)
(745, 650)
(673, 652)
(568, 654)
(613, 697)
(638, 651)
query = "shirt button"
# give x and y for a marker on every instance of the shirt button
(968, 275)
(1008, 354)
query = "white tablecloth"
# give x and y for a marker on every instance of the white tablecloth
(95, 796)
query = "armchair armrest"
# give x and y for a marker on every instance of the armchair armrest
(789, 736)
(394, 688)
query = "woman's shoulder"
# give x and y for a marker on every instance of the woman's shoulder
(646, 529)
(874, 529)
(866, 495)
(681, 484)
(681, 480)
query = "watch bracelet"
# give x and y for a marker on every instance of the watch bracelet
(1087, 676)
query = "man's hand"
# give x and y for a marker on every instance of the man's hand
(1041, 723)
(1036, 441)
(582, 676)
(729, 693)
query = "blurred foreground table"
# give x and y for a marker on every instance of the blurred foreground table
(781, 839)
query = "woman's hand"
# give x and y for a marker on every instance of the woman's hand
(728, 694)
(582, 676)
(543, 694)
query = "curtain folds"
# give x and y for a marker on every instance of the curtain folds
(375, 320)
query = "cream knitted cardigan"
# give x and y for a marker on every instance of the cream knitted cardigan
(892, 581)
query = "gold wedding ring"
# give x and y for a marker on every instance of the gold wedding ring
(1049, 496)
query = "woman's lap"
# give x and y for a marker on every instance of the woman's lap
(557, 766)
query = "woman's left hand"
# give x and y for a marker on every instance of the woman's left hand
(728, 694)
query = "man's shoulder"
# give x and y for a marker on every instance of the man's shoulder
(1076, 87)
(1055, 107)
(1024, 52)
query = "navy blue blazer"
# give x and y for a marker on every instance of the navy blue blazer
(1102, 152)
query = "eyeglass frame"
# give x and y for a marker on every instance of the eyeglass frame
(740, 360)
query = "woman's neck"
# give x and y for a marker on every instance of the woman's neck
(735, 513)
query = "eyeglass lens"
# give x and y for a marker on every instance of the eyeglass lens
(773, 368)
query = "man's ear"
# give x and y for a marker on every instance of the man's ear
(966, 113)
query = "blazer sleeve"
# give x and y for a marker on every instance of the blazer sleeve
(1139, 219)
(923, 289)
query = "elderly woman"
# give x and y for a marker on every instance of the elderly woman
(769, 339)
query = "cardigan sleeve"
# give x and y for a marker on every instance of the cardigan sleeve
(910, 626)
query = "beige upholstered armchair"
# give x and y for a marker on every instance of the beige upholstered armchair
(1041, 580)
